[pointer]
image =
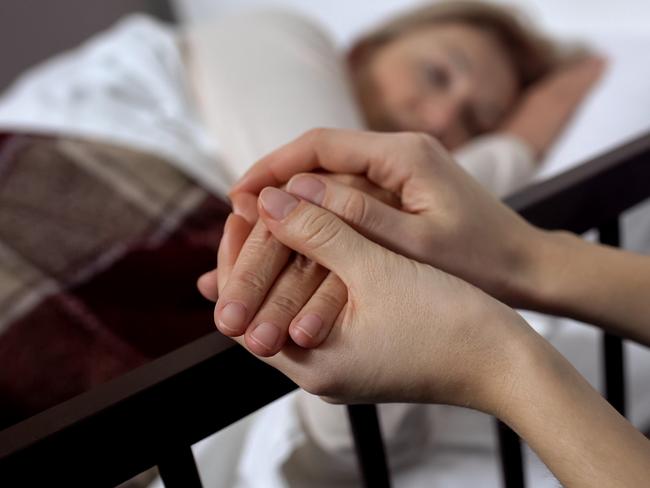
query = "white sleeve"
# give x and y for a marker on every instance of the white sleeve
(501, 162)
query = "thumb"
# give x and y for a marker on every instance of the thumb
(317, 234)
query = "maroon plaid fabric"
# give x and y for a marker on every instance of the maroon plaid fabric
(100, 248)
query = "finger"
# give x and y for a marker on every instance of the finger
(372, 218)
(269, 328)
(314, 322)
(361, 183)
(245, 205)
(235, 233)
(317, 233)
(208, 285)
(381, 157)
(257, 266)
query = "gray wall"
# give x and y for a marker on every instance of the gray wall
(32, 30)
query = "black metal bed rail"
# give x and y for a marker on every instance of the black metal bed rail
(139, 420)
(152, 415)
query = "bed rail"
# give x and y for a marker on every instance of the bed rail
(152, 415)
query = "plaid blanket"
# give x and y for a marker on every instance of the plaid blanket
(100, 248)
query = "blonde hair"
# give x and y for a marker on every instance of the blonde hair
(532, 54)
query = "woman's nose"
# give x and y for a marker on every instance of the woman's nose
(439, 115)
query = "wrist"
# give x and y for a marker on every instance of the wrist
(545, 259)
(521, 355)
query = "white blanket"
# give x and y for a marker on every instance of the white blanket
(127, 86)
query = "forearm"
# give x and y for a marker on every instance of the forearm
(539, 130)
(547, 106)
(575, 432)
(596, 284)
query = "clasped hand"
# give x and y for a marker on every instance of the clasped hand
(369, 298)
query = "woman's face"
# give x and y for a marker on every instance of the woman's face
(451, 80)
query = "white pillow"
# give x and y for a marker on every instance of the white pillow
(262, 79)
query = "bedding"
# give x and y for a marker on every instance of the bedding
(125, 86)
(100, 249)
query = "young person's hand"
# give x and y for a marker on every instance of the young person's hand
(412, 333)
(549, 104)
(402, 318)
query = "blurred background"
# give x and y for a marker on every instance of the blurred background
(32, 30)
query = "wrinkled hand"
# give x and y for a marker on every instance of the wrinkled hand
(409, 332)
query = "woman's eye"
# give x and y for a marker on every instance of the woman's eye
(436, 76)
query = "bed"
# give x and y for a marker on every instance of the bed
(153, 414)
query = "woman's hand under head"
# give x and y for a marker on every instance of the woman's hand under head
(547, 106)
(456, 80)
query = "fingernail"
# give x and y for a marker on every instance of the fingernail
(266, 334)
(232, 317)
(311, 325)
(307, 187)
(277, 203)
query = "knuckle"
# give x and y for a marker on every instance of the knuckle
(321, 230)
(355, 208)
(333, 297)
(252, 281)
(425, 144)
(425, 141)
(317, 134)
(285, 305)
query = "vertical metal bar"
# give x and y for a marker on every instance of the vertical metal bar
(512, 461)
(178, 469)
(613, 357)
(369, 445)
